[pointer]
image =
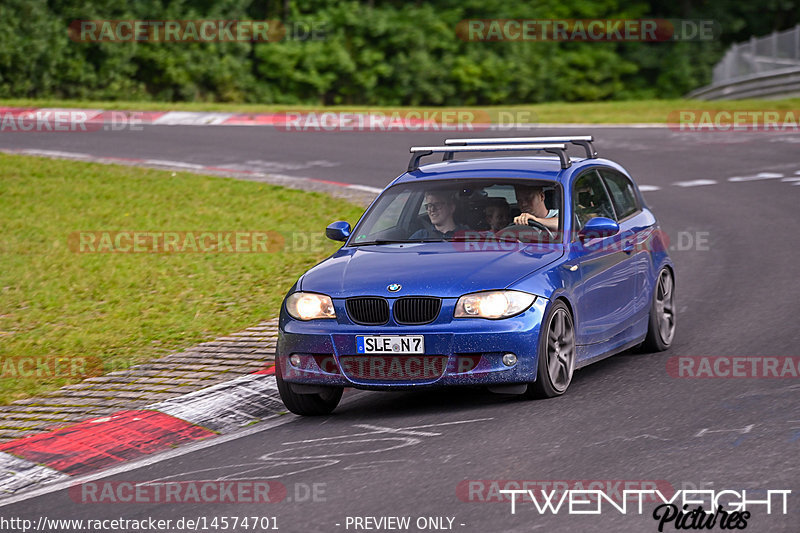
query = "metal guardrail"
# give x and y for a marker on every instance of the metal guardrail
(766, 67)
(784, 83)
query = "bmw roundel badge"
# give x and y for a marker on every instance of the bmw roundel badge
(394, 287)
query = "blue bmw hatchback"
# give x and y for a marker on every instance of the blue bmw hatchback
(508, 272)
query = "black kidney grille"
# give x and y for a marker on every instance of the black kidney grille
(416, 310)
(368, 311)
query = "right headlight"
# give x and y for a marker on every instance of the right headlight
(309, 305)
(493, 304)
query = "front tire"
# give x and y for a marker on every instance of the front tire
(661, 326)
(317, 404)
(556, 363)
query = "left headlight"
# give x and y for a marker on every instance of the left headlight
(309, 305)
(493, 304)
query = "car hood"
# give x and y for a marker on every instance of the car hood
(437, 269)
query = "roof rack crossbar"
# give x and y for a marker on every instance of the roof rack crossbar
(418, 152)
(584, 141)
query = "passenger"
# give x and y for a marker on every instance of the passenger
(531, 203)
(440, 206)
(498, 213)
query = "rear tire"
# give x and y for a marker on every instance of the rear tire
(556, 363)
(661, 325)
(307, 404)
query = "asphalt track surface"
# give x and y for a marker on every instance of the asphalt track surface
(625, 418)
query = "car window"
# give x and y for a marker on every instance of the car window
(590, 199)
(454, 210)
(390, 217)
(622, 194)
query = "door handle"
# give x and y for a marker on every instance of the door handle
(628, 247)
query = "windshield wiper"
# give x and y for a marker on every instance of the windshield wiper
(379, 241)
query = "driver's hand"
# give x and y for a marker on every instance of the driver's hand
(524, 218)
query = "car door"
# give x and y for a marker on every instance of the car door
(635, 229)
(607, 270)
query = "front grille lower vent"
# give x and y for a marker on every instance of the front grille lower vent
(416, 310)
(368, 311)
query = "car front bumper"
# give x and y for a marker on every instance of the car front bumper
(457, 351)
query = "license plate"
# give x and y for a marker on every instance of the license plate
(412, 344)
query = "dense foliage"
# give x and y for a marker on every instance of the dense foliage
(374, 52)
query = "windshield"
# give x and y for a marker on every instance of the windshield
(450, 210)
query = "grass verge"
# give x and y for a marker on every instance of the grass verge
(65, 316)
(633, 111)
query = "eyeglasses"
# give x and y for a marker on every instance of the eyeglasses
(434, 206)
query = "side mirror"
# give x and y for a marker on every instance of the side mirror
(598, 227)
(338, 231)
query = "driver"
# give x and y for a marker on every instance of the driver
(531, 202)
(440, 206)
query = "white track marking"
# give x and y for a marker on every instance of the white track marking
(16, 473)
(791, 179)
(185, 118)
(179, 164)
(375, 464)
(227, 406)
(339, 448)
(744, 430)
(148, 461)
(644, 436)
(648, 188)
(695, 183)
(366, 188)
(241, 471)
(401, 429)
(757, 177)
(55, 153)
(381, 429)
(537, 125)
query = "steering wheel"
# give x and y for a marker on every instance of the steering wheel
(521, 232)
(540, 226)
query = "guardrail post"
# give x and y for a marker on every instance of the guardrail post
(797, 42)
(754, 66)
(774, 44)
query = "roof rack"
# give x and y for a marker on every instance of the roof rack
(581, 140)
(419, 152)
